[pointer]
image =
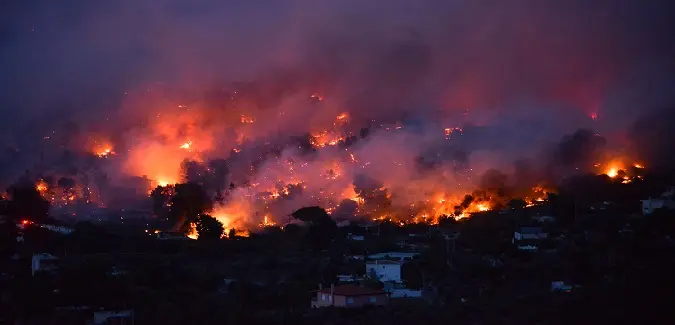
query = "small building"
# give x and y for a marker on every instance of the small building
(385, 271)
(649, 205)
(406, 293)
(354, 237)
(122, 317)
(524, 233)
(545, 219)
(43, 262)
(528, 238)
(343, 223)
(399, 290)
(349, 296)
(562, 286)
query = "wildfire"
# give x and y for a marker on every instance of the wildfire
(187, 145)
(612, 172)
(192, 232)
(246, 119)
(616, 169)
(450, 131)
(266, 222)
(164, 183)
(105, 152)
(325, 138)
(267, 178)
(41, 187)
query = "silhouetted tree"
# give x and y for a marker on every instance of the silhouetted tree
(322, 229)
(160, 198)
(26, 202)
(312, 215)
(8, 233)
(516, 204)
(411, 274)
(209, 228)
(189, 201)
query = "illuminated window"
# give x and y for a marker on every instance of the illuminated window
(373, 300)
(323, 296)
(350, 300)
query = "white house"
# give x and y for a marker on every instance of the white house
(665, 201)
(122, 317)
(353, 237)
(545, 219)
(343, 223)
(527, 238)
(562, 286)
(525, 233)
(385, 271)
(405, 293)
(43, 262)
(649, 205)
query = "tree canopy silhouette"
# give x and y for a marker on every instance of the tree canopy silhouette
(312, 215)
(189, 201)
(26, 202)
(209, 228)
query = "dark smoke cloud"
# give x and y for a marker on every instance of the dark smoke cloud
(653, 139)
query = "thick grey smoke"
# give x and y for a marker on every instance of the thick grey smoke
(513, 76)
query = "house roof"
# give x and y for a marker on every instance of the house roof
(393, 255)
(384, 262)
(352, 290)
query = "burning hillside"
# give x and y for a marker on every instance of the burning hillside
(387, 169)
(447, 109)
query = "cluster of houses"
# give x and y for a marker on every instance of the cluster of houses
(665, 201)
(383, 267)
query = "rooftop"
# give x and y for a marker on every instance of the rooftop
(383, 262)
(393, 255)
(352, 290)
